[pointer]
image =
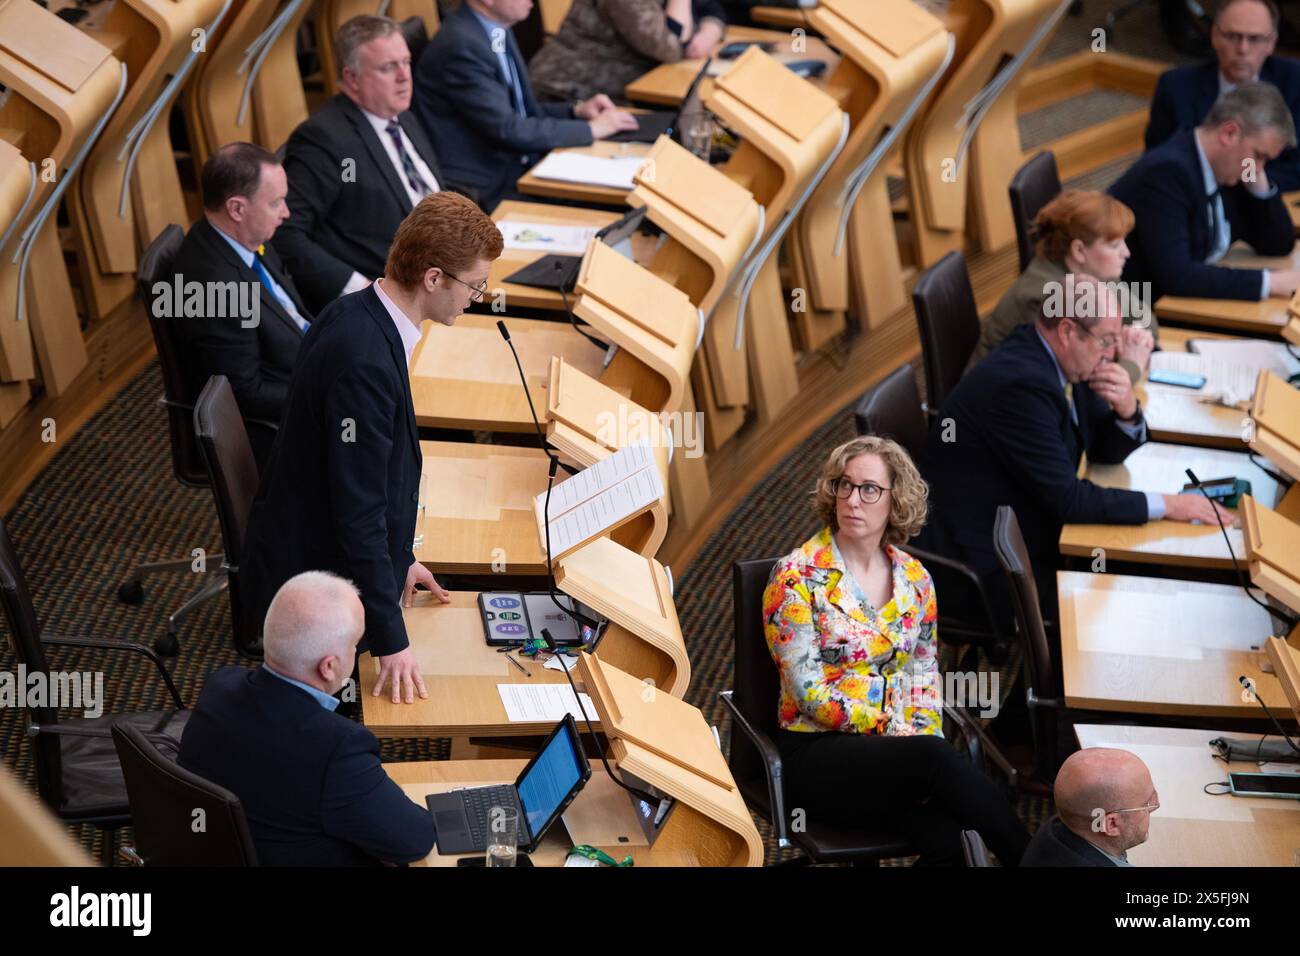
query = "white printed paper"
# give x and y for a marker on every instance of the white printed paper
(592, 501)
(538, 703)
(546, 237)
(616, 172)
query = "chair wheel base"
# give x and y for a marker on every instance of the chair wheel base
(167, 645)
(132, 592)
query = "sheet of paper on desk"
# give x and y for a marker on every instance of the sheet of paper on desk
(1251, 353)
(546, 237)
(616, 172)
(1225, 381)
(613, 489)
(535, 703)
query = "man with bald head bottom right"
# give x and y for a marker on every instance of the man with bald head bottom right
(1104, 800)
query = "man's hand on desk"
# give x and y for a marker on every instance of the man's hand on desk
(1195, 507)
(705, 41)
(591, 108)
(404, 671)
(417, 573)
(1282, 283)
(1136, 345)
(611, 121)
(1111, 382)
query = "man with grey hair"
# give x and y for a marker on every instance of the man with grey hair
(1104, 800)
(1205, 189)
(310, 780)
(1244, 36)
(356, 167)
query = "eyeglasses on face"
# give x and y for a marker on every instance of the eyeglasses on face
(1106, 341)
(1150, 807)
(1251, 39)
(868, 492)
(476, 291)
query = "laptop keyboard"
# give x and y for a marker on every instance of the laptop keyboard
(479, 801)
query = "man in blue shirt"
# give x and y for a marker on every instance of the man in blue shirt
(310, 780)
(472, 89)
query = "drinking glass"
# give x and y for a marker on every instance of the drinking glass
(503, 836)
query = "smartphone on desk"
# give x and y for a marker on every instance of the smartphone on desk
(1181, 379)
(733, 50)
(1283, 785)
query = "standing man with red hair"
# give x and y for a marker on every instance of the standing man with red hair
(341, 488)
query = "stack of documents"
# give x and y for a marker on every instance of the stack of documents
(546, 237)
(602, 497)
(616, 172)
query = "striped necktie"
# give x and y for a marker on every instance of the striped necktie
(413, 177)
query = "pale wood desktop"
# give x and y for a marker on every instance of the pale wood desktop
(667, 83)
(1159, 468)
(464, 376)
(532, 185)
(1177, 416)
(1141, 645)
(1262, 317)
(1193, 828)
(461, 673)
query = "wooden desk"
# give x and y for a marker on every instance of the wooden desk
(479, 508)
(1292, 201)
(598, 797)
(1265, 317)
(461, 673)
(1193, 828)
(1159, 468)
(532, 185)
(463, 376)
(1176, 415)
(788, 17)
(667, 83)
(1155, 646)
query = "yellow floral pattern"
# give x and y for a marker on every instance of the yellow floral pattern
(845, 666)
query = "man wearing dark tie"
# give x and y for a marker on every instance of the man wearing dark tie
(243, 189)
(1244, 36)
(1205, 189)
(356, 167)
(342, 488)
(473, 89)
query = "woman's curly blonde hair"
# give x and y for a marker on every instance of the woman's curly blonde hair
(908, 499)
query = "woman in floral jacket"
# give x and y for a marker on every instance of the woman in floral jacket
(850, 620)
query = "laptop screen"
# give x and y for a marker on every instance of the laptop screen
(547, 783)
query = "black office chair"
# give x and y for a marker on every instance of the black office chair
(949, 326)
(893, 410)
(77, 771)
(755, 761)
(417, 37)
(1044, 693)
(232, 473)
(973, 849)
(1034, 185)
(167, 803)
(187, 462)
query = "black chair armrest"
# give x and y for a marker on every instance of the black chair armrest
(102, 731)
(772, 764)
(265, 423)
(980, 746)
(964, 569)
(189, 407)
(56, 640)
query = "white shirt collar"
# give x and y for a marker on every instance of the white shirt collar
(245, 254)
(409, 334)
(1226, 87)
(380, 125)
(1211, 184)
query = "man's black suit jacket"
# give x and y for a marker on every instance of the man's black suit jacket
(462, 98)
(1185, 94)
(258, 361)
(1005, 437)
(1172, 235)
(341, 489)
(346, 199)
(310, 781)
(1056, 845)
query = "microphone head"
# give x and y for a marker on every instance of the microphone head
(1191, 476)
(550, 640)
(555, 465)
(501, 327)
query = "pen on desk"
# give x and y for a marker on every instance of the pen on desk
(521, 667)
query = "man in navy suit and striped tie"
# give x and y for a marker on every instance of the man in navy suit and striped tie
(243, 188)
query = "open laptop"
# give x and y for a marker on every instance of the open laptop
(541, 793)
(656, 123)
(560, 272)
